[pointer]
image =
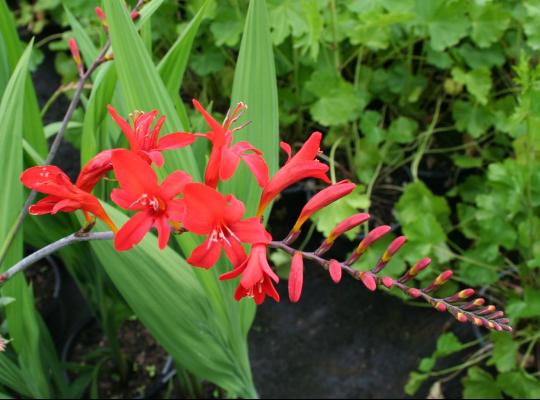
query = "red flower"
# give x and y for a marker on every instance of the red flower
(257, 277)
(63, 195)
(143, 140)
(139, 191)
(208, 212)
(224, 157)
(302, 165)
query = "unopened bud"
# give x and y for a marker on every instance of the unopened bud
(335, 270)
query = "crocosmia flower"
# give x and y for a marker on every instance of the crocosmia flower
(257, 279)
(143, 138)
(219, 217)
(225, 157)
(63, 195)
(301, 166)
(156, 205)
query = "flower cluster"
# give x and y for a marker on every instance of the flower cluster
(180, 205)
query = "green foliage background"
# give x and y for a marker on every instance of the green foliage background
(403, 89)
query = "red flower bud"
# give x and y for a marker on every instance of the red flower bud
(322, 199)
(369, 280)
(415, 270)
(296, 277)
(335, 270)
(76, 55)
(461, 317)
(346, 225)
(441, 280)
(370, 238)
(390, 251)
(388, 282)
(135, 15)
(101, 16)
(414, 293)
(463, 295)
(441, 307)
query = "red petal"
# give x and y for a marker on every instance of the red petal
(286, 147)
(228, 164)
(206, 255)
(156, 157)
(175, 141)
(258, 168)
(250, 230)
(126, 128)
(211, 175)
(126, 200)
(217, 129)
(133, 231)
(176, 210)
(163, 230)
(205, 208)
(48, 179)
(94, 170)
(296, 277)
(235, 252)
(66, 205)
(310, 149)
(173, 184)
(133, 173)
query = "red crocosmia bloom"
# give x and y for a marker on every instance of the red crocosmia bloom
(139, 191)
(257, 276)
(302, 165)
(143, 139)
(325, 197)
(225, 157)
(63, 195)
(208, 212)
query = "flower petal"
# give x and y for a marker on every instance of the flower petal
(228, 164)
(235, 252)
(175, 140)
(133, 173)
(133, 231)
(250, 230)
(163, 230)
(205, 208)
(126, 128)
(206, 255)
(173, 184)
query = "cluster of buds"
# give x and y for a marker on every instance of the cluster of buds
(460, 305)
(178, 205)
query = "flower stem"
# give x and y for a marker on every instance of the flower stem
(28, 261)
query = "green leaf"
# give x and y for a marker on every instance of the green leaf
(32, 124)
(165, 294)
(255, 85)
(505, 352)
(479, 384)
(478, 82)
(172, 67)
(447, 344)
(338, 101)
(142, 86)
(414, 382)
(473, 118)
(518, 385)
(445, 20)
(22, 317)
(489, 22)
(402, 130)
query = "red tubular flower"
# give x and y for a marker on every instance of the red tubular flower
(63, 195)
(322, 199)
(296, 277)
(225, 157)
(257, 276)
(143, 140)
(208, 212)
(370, 238)
(301, 166)
(76, 55)
(344, 226)
(139, 191)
